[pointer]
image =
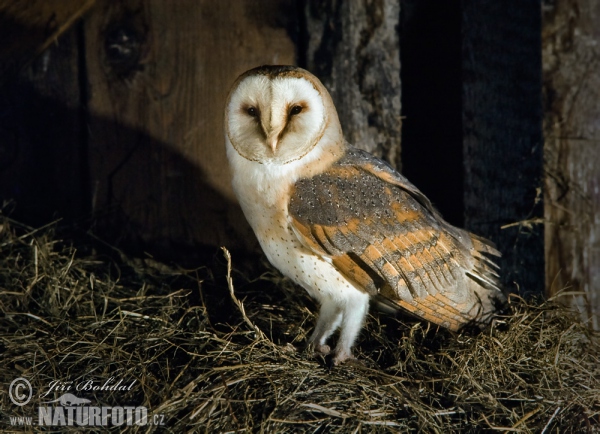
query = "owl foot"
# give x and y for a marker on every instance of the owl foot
(342, 357)
(288, 348)
(316, 350)
(322, 350)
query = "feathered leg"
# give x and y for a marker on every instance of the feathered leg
(353, 316)
(330, 317)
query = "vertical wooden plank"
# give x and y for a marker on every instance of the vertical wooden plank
(502, 120)
(159, 75)
(353, 47)
(41, 145)
(571, 53)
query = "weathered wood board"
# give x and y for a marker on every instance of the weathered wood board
(571, 60)
(354, 48)
(159, 73)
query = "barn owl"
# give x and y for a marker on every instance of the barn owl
(341, 223)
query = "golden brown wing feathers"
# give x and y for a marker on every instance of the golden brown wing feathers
(384, 235)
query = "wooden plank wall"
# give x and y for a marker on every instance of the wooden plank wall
(145, 94)
(159, 73)
(571, 53)
(354, 48)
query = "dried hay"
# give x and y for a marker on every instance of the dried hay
(210, 363)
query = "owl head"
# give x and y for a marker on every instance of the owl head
(278, 114)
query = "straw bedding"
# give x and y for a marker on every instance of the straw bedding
(216, 348)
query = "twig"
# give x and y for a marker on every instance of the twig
(527, 416)
(551, 419)
(500, 428)
(139, 315)
(527, 223)
(325, 410)
(238, 303)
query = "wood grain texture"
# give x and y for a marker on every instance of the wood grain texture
(159, 75)
(571, 60)
(353, 47)
(502, 127)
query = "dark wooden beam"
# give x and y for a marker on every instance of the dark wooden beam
(571, 47)
(353, 47)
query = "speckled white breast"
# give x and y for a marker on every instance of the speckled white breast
(263, 193)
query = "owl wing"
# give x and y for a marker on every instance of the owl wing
(382, 233)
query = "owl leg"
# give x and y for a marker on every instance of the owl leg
(353, 316)
(330, 317)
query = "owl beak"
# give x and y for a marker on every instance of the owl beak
(273, 141)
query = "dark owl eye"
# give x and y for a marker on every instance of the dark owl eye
(252, 111)
(295, 110)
